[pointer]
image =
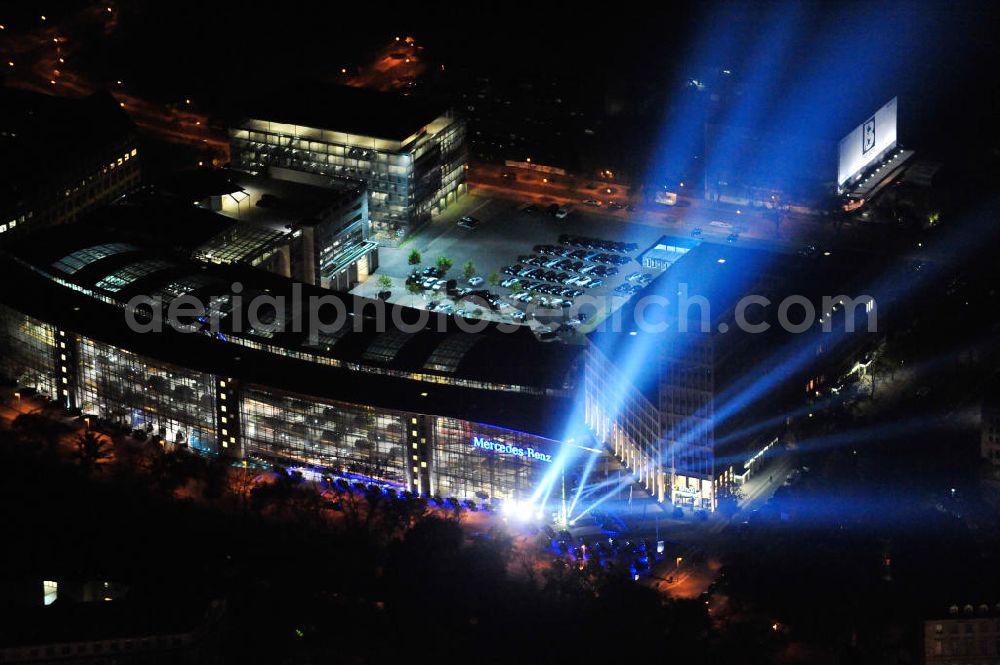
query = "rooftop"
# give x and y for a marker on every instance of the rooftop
(722, 275)
(275, 201)
(352, 110)
(508, 379)
(165, 223)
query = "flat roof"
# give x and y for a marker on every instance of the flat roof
(720, 274)
(337, 108)
(156, 222)
(274, 202)
(723, 274)
(373, 366)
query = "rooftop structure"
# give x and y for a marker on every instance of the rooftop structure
(310, 227)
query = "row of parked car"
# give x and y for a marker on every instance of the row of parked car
(585, 242)
(557, 265)
(563, 271)
(526, 276)
(583, 254)
(431, 279)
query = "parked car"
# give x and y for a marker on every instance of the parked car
(475, 280)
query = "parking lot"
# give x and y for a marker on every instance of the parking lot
(507, 236)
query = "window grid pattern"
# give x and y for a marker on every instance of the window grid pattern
(28, 352)
(448, 355)
(386, 346)
(172, 402)
(121, 278)
(459, 469)
(80, 259)
(334, 435)
(406, 182)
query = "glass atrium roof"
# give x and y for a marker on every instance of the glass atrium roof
(80, 259)
(122, 277)
(450, 352)
(385, 347)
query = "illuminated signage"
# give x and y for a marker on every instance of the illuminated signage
(502, 448)
(867, 143)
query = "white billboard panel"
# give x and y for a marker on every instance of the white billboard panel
(867, 142)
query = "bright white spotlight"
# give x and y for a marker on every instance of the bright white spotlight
(521, 511)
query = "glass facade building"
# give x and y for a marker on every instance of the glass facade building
(663, 433)
(167, 401)
(220, 415)
(413, 167)
(29, 352)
